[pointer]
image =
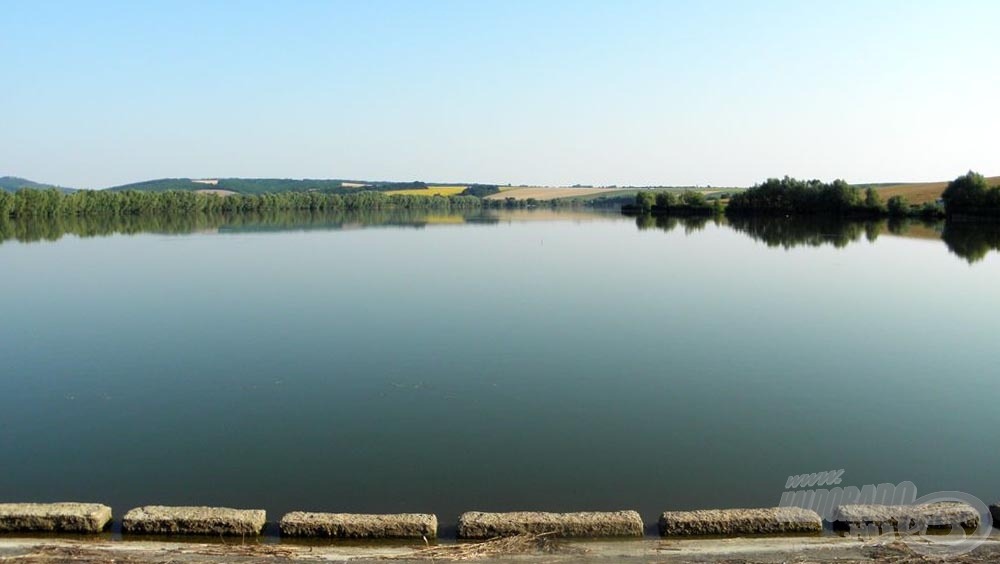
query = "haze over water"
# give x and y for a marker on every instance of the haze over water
(556, 362)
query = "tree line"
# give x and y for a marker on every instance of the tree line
(35, 203)
(790, 196)
(669, 203)
(31, 203)
(968, 194)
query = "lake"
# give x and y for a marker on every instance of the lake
(496, 361)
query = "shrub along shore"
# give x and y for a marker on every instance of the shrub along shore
(790, 196)
(32, 203)
(968, 195)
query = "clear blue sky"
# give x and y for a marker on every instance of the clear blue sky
(615, 92)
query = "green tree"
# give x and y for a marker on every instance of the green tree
(665, 200)
(898, 206)
(644, 201)
(873, 201)
(968, 193)
(931, 210)
(694, 199)
(6, 204)
(27, 203)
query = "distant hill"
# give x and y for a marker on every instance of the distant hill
(243, 185)
(14, 183)
(267, 185)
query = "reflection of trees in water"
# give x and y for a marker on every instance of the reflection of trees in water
(872, 230)
(972, 240)
(813, 231)
(52, 229)
(336, 220)
(691, 223)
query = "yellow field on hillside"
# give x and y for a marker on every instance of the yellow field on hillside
(921, 192)
(430, 191)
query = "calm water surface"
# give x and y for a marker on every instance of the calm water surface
(526, 361)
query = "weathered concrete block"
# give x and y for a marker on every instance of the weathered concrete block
(359, 525)
(768, 521)
(479, 525)
(163, 520)
(56, 517)
(934, 515)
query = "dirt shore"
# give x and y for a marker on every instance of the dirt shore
(825, 549)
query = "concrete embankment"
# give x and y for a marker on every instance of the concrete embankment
(359, 526)
(934, 515)
(723, 522)
(54, 517)
(593, 524)
(164, 520)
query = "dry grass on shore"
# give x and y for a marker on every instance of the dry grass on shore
(526, 544)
